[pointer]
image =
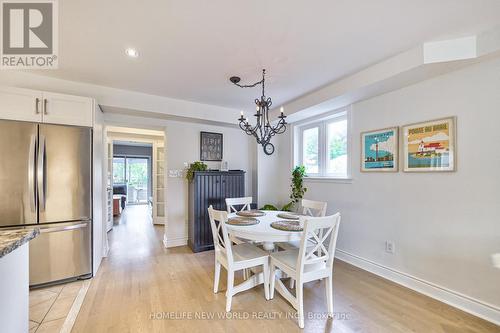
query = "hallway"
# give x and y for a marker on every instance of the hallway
(133, 233)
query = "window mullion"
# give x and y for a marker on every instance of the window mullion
(320, 149)
(301, 146)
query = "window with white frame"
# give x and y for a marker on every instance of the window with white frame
(322, 146)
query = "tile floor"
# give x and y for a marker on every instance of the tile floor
(50, 306)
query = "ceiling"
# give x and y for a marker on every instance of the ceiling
(189, 48)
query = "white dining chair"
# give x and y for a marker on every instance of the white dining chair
(309, 208)
(232, 203)
(308, 263)
(235, 258)
(313, 208)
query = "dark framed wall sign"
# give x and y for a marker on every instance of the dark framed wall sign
(211, 146)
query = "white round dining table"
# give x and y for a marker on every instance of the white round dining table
(263, 232)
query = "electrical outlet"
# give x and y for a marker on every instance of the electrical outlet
(390, 247)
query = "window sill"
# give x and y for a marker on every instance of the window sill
(328, 180)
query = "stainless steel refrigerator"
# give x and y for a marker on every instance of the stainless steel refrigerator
(45, 181)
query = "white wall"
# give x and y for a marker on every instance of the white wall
(183, 145)
(274, 174)
(445, 225)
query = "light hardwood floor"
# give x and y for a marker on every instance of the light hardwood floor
(141, 283)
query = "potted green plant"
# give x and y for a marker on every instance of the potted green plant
(268, 207)
(297, 186)
(195, 166)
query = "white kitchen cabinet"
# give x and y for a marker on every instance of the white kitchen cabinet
(67, 109)
(20, 104)
(45, 107)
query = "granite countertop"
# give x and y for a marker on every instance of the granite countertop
(12, 239)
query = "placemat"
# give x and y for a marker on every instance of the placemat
(289, 215)
(251, 213)
(287, 225)
(242, 221)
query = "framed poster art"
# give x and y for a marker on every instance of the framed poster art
(430, 146)
(211, 146)
(379, 150)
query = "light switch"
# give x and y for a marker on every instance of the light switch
(175, 173)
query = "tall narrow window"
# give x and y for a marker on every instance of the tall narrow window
(323, 146)
(138, 179)
(310, 150)
(119, 170)
(336, 164)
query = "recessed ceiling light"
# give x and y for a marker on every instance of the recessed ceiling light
(132, 52)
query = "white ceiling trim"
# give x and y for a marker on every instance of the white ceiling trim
(121, 99)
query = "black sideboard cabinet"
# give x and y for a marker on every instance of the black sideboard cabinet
(210, 188)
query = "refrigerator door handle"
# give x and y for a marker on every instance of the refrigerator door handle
(65, 228)
(31, 173)
(41, 168)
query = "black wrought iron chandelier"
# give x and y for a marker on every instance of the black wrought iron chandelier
(263, 130)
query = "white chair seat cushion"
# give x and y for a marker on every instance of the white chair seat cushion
(292, 245)
(246, 251)
(289, 258)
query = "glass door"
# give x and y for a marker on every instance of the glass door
(137, 180)
(133, 172)
(119, 171)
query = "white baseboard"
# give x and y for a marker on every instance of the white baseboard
(174, 242)
(465, 303)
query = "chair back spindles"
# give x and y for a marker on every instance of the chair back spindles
(313, 208)
(245, 202)
(222, 243)
(323, 232)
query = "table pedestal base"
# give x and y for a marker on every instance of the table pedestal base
(268, 246)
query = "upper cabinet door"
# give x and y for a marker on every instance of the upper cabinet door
(20, 104)
(67, 109)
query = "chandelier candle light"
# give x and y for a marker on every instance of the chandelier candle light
(263, 131)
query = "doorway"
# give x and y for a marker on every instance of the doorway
(135, 174)
(136, 179)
